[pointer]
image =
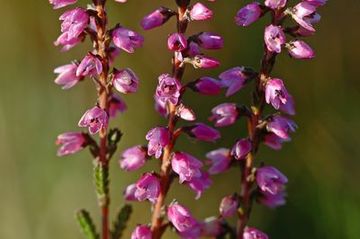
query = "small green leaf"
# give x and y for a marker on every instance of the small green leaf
(87, 226)
(101, 177)
(120, 222)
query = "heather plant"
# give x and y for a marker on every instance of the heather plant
(270, 126)
(97, 65)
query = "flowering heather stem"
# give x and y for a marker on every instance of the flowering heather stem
(165, 177)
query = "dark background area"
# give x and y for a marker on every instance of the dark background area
(40, 192)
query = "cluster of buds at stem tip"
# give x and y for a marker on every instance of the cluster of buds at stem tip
(266, 183)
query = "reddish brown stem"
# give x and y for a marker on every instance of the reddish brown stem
(157, 226)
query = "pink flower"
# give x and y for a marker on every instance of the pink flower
(67, 76)
(272, 201)
(89, 66)
(206, 86)
(276, 93)
(125, 81)
(270, 180)
(74, 23)
(159, 138)
(200, 12)
(127, 39)
(301, 12)
(156, 18)
(211, 227)
(95, 119)
(206, 62)
(133, 158)
(241, 149)
(281, 126)
(300, 50)
(147, 187)
(253, 233)
(181, 218)
(116, 105)
(228, 206)
(235, 79)
(61, 3)
(219, 159)
(71, 142)
(273, 141)
(248, 14)
(275, 4)
(203, 132)
(224, 114)
(289, 106)
(168, 89)
(200, 184)
(274, 38)
(185, 113)
(316, 3)
(209, 40)
(177, 42)
(129, 193)
(186, 166)
(141, 232)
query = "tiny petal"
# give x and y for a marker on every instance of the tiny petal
(89, 66)
(200, 184)
(177, 42)
(253, 233)
(300, 50)
(61, 3)
(168, 89)
(235, 79)
(203, 132)
(186, 166)
(248, 14)
(181, 217)
(67, 76)
(224, 114)
(129, 193)
(241, 149)
(270, 180)
(273, 141)
(133, 158)
(276, 93)
(281, 126)
(228, 206)
(209, 40)
(185, 113)
(300, 14)
(274, 38)
(200, 12)
(71, 142)
(95, 119)
(219, 159)
(147, 187)
(275, 4)
(206, 62)
(316, 3)
(125, 81)
(127, 39)
(141, 232)
(159, 138)
(156, 18)
(207, 86)
(272, 201)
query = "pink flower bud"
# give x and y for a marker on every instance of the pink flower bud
(186, 166)
(141, 232)
(253, 233)
(89, 66)
(147, 187)
(272, 201)
(276, 93)
(275, 4)
(133, 158)
(211, 227)
(185, 113)
(203, 132)
(181, 218)
(200, 184)
(235, 79)
(61, 3)
(207, 86)
(168, 89)
(177, 42)
(127, 39)
(206, 62)
(301, 12)
(95, 119)
(219, 159)
(67, 76)
(274, 38)
(228, 206)
(273, 141)
(116, 104)
(74, 23)
(160, 107)
(159, 138)
(270, 180)
(125, 81)
(156, 18)
(248, 14)
(300, 50)
(224, 114)
(71, 142)
(241, 149)
(209, 40)
(281, 126)
(129, 193)
(200, 12)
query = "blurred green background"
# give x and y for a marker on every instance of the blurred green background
(40, 192)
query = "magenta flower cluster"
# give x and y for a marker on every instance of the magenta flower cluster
(260, 182)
